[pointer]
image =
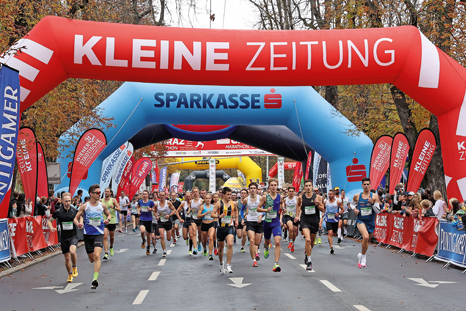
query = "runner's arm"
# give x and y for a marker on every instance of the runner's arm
(262, 203)
(77, 218)
(214, 213)
(107, 213)
(319, 203)
(299, 202)
(170, 205)
(117, 205)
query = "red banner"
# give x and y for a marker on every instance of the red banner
(26, 157)
(287, 166)
(126, 177)
(35, 238)
(308, 165)
(298, 174)
(141, 168)
(399, 154)
(18, 235)
(155, 188)
(42, 178)
(88, 148)
(180, 186)
(422, 155)
(380, 160)
(51, 238)
(409, 233)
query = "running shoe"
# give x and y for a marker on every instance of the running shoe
(266, 253)
(276, 268)
(148, 250)
(155, 250)
(121, 230)
(94, 284)
(359, 260)
(143, 244)
(134, 230)
(194, 252)
(70, 278)
(242, 250)
(254, 264)
(216, 252)
(211, 257)
(319, 240)
(339, 240)
(205, 253)
(331, 250)
(222, 268)
(164, 254)
(106, 256)
(249, 243)
(229, 269)
(199, 247)
(292, 248)
(174, 241)
(190, 253)
(112, 252)
(258, 258)
(363, 261)
(75, 272)
(309, 266)
(289, 245)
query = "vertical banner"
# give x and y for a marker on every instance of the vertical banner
(320, 173)
(120, 169)
(298, 173)
(10, 119)
(212, 175)
(180, 186)
(141, 168)
(88, 148)
(422, 155)
(42, 177)
(316, 164)
(4, 240)
(26, 156)
(175, 178)
(281, 171)
(329, 178)
(399, 154)
(126, 177)
(308, 166)
(163, 177)
(109, 166)
(380, 160)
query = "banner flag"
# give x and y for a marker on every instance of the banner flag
(163, 177)
(320, 173)
(34, 235)
(126, 177)
(153, 173)
(42, 177)
(329, 178)
(180, 186)
(109, 165)
(286, 166)
(212, 175)
(422, 155)
(88, 148)
(298, 173)
(26, 156)
(4, 241)
(316, 164)
(120, 166)
(380, 160)
(141, 168)
(175, 178)
(308, 166)
(18, 235)
(10, 119)
(399, 154)
(281, 171)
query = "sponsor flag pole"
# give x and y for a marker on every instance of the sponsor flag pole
(380, 160)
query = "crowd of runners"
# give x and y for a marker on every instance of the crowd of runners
(209, 223)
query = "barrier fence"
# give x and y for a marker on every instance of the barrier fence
(451, 245)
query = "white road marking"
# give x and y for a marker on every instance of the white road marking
(69, 288)
(361, 308)
(238, 282)
(169, 252)
(122, 250)
(422, 282)
(330, 286)
(172, 245)
(162, 262)
(304, 266)
(140, 298)
(290, 256)
(48, 287)
(154, 276)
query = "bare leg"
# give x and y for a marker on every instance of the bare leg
(277, 248)
(229, 240)
(68, 262)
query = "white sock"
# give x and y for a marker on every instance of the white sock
(308, 258)
(339, 232)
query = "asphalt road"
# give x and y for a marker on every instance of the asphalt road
(391, 281)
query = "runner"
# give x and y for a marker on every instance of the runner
(309, 217)
(319, 238)
(241, 229)
(175, 220)
(154, 235)
(93, 223)
(69, 234)
(227, 213)
(165, 210)
(207, 227)
(183, 211)
(254, 224)
(134, 213)
(288, 215)
(215, 199)
(124, 204)
(145, 208)
(110, 228)
(344, 217)
(333, 208)
(368, 206)
(270, 204)
(195, 227)
(203, 194)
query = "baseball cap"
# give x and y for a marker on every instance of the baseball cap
(411, 193)
(336, 188)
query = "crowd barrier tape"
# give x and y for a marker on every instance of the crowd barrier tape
(408, 233)
(451, 244)
(30, 234)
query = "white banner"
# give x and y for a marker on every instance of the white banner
(120, 167)
(329, 178)
(316, 168)
(212, 175)
(281, 171)
(108, 167)
(175, 178)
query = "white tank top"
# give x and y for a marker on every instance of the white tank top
(253, 215)
(290, 205)
(195, 207)
(163, 211)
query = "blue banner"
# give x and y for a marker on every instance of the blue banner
(4, 240)
(9, 114)
(451, 244)
(163, 178)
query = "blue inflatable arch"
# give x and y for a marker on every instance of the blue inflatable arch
(301, 109)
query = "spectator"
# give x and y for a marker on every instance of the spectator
(440, 207)
(427, 208)
(414, 208)
(455, 211)
(80, 194)
(42, 207)
(86, 199)
(13, 207)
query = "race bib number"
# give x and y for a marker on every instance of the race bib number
(253, 212)
(68, 225)
(144, 209)
(95, 221)
(194, 216)
(271, 215)
(309, 210)
(226, 220)
(163, 219)
(366, 211)
(331, 216)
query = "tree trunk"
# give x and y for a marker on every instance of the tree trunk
(331, 95)
(405, 115)
(434, 177)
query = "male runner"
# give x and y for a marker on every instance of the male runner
(112, 206)
(145, 209)
(195, 227)
(344, 217)
(320, 231)
(333, 208)
(93, 223)
(69, 235)
(124, 204)
(366, 210)
(309, 205)
(175, 220)
(241, 229)
(134, 213)
(165, 210)
(215, 199)
(207, 226)
(288, 215)
(183, 212)
(270, 204)
(203, 193)
(227, 213)
(254, 224)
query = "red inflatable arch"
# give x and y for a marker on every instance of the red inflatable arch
(59, 48)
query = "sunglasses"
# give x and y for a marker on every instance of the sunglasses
(316, 191)
(97, 192)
